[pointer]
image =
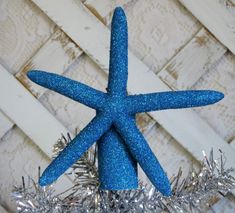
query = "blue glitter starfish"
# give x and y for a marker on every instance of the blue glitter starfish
(120, 144)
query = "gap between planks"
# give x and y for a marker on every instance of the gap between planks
(192, 61)
(184, 125)
(215, 18)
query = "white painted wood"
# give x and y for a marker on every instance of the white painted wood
(185, 126)
(23, 30)
(54, 56)
(30, 116)
(5, 124)
(2, 210)
(229, 5)
(60, 51)
(191, 62)
(27, 112)
(85, 21)
(93, 37)
(215, 18)
(221, 116)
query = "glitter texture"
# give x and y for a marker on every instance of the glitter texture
(120, 144)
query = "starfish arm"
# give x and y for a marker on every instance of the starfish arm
(118, 54)
(142, 153)
(69, 88)
(76, 148)
(172, 100)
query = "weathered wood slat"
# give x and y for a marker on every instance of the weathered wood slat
(55, 56)
(215, 18)
(183, 70)
(60, 51)
(93, 37)
(82, 25)
(30, 116)
(229, 5)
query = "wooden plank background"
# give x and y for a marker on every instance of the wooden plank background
(173, 45)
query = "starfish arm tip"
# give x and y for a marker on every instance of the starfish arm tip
(119, 11)
(168, 193)
(218, 95)
(37, 76)
(210, 96)
(143, 154)
(31, 74)
(166, 188)
(45, 180)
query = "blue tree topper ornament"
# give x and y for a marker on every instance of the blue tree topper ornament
(120, 143)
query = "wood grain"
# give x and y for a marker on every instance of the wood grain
(221, 116)
(93, 37)
(215, 18)
(192, 61)
(54, 56)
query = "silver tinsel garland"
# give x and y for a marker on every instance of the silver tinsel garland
(195, 193)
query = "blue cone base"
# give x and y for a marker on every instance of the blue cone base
(117, 168)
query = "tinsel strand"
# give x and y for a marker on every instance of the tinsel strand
(191, 194)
